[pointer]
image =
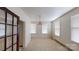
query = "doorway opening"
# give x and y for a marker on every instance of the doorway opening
(21, 34)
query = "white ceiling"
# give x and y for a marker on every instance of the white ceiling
(46, 13)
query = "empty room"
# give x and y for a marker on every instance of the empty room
(39, 28)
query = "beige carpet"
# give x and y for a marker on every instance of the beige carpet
(44, 45)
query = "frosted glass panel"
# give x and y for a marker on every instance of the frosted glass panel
(2, 44)
(15, 21)
(9, 41)
(15, 30)
(9, 19)
(2, 30)
(9, 30)
(14, 39)
(2, 16)
(14, 47)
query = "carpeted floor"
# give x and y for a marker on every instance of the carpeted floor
(44, 45)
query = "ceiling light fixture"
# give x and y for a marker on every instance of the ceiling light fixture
(39, 22)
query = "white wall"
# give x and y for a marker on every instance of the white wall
(27, 33)
(65, 29)
(26, 20)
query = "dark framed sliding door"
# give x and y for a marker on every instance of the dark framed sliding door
(9, 35)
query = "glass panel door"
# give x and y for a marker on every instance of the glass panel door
(9, 40)
(2, 29)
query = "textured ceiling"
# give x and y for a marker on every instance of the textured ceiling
(45, 13)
